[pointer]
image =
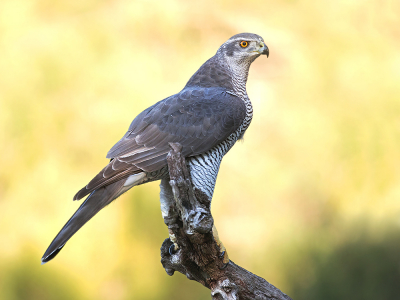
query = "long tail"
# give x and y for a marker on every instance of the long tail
(97, 200)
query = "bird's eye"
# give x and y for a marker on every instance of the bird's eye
(244, 44)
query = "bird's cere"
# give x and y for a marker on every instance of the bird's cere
(263, 49)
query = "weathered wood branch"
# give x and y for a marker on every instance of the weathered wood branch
(193, 249)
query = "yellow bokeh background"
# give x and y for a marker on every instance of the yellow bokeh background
(311, 196)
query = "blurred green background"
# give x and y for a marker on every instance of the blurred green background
(310, 201)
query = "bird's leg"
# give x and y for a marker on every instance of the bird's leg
(204, 204)
(168, 210)
(192, 203)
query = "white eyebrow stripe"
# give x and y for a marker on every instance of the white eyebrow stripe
(240, 39)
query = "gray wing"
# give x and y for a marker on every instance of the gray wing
(197, 118)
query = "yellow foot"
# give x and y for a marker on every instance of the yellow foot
(221, 246)
(174, 247)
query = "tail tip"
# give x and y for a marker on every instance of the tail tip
(47, 257)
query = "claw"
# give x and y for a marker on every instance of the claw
(223, 253)
(172, 249)
(225, 260)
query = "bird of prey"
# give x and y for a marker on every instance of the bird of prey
(207, 117)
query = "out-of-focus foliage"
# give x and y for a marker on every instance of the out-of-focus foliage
(362, 267)
(311, 199)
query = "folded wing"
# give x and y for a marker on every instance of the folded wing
(197, 118)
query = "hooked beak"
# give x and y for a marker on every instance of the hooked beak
(264, 49)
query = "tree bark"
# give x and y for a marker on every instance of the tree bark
(193, 248)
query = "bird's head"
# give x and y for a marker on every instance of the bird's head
(230, 65)
(243, 48)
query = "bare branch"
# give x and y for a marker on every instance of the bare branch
(193, 248)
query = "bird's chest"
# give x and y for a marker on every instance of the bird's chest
(247, 120)
(204, 167)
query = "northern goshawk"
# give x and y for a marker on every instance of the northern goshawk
(207, 117)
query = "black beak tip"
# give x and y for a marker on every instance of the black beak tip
(266, 51)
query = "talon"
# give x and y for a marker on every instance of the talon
(225, 260)
(172, 249)
(223, 254)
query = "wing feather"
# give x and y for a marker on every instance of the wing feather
(198, 118)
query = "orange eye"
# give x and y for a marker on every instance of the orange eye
(244, 44)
